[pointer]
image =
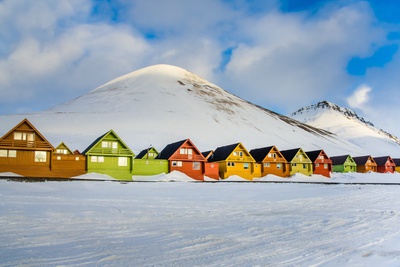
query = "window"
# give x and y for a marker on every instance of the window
(123, 161)
(272, 155)
(321, 157)
(77, 158)
(62, 151)
(12, 153)
(196, 166)
(266, 164)
(100, 159)
(40, 156)
(58, 157)
(24, 136)
(294, 164)
(3, 153)
(93, 159)
(147, 162)
(246, 166)
(304, 166)
(231, 164)
(316, 165)
(186, 151)
(279, 166)
(150, 155)
(108, 144)
(177, 163)
(325, 166)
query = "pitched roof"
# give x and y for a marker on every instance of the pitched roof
(32, 127)
(223, 152)
(313, 155)
(397, 162)
(144, 152)
(381, 161)
(362, 160)
(63, 145)
(206, 154)
(339, 160)
(170, 149)
(259, 154)
(290, 153)
(101, 137)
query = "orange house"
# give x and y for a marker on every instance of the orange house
(67, 164)
(271, 161)
(211, 169)
(385, 164)
(365, 164)
(25, 151)
(184, 156)
(322, 164)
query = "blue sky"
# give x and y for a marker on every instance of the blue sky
(280, 54)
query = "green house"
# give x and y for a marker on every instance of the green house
(109, 155)
(299, 161)
(344, 163)
(145, 163)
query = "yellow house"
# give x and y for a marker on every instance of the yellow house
(397, 162)
(235, 160)
(299, 161)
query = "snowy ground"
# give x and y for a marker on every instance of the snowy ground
(92, 223)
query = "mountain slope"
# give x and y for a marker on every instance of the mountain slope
(161, 104)
(347, 125)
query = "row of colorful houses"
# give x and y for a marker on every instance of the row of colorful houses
(25, 151)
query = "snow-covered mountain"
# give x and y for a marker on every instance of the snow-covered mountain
(161, 104)
(347, 125)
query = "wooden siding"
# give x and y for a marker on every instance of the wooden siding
(109, 155)
(149, 166)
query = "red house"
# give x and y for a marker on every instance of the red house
(184, 156)
(385, 164)
(322, 164)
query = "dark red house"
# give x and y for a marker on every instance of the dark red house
(322, 164)
(385, 164)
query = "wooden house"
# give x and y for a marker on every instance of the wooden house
(184, 156)
(344, 163)
(211, 169)
(235, 160)
(108, 154)
(385, 164)
(145, 163)
(25, 151)
(397, 162)
(68, 163)
(299, 161)
(365, 164)
(271, 161)
(321, 163)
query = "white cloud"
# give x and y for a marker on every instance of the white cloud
(360, 98)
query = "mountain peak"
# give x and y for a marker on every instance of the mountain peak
(331, 106)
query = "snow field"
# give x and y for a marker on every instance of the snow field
(91, 223)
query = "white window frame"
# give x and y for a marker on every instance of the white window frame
(122, 161)
(40, 156)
